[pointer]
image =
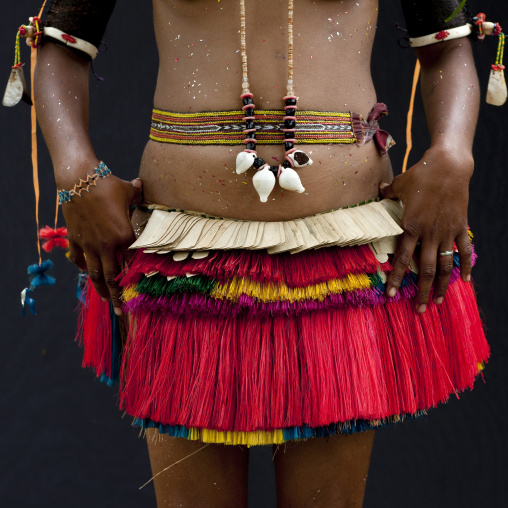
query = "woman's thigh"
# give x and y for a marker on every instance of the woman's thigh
(204, 475)
(323, 472)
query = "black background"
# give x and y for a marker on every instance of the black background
(62, 440)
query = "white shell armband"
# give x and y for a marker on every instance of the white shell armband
(71, 41)
(443, 35)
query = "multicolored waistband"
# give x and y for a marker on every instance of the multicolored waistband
(245, 332)
(226, 127)
(244, 347)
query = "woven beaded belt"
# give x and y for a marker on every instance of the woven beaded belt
(226, 127)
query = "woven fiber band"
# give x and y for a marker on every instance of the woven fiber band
(174, 231)
(227, 127)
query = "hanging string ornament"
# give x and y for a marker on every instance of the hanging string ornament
(16, 88)
(265, 178)
(15, 91)
(81, 286)
(496, 88)
(27, 302)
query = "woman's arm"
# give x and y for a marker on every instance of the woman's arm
(435, 190)
(98, 223)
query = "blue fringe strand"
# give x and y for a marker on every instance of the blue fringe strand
(289, 433)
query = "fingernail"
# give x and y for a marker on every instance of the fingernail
(421, 308)
(467, 278)
(118, 311)
(383, 185)
(105, 300)
(439, 300)
(392, 292)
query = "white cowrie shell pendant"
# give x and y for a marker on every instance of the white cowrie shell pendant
(300, 159)
(289, 180)
(244, 161)
(264, 182)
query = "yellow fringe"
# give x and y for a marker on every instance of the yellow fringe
(194, 434)
(238, 286)
(255, 438)
(233, 289)
(276, 436)
(129, 293)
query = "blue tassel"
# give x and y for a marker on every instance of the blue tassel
(80, 293)
(38, 276)
(27, 301)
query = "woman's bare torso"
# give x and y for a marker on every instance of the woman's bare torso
(200, 70)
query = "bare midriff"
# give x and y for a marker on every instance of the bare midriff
(200, 70)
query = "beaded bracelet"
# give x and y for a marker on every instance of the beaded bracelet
(84, 185)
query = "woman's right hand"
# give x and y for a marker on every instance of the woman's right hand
(100, 232)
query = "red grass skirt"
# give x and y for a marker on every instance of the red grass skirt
(243, 347)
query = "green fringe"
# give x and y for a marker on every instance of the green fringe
(375, 280)
(157, 285)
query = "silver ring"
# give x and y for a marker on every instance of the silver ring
(446, 253)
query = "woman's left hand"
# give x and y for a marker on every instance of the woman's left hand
(435, 194)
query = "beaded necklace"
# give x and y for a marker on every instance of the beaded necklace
(266, 175)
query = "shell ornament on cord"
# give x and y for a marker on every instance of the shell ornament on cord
(266, 175)
(265, 178)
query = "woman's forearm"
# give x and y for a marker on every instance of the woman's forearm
(96, 245)
(61, 101)
(435, 190)
(450, 93)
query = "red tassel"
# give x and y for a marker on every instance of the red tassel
(54, 238)
(94, 332)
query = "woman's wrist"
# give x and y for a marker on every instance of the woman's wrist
(70, 171)
(454, 158)
(84, 184)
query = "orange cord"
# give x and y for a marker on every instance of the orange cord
(409, 139)
(35, 167)
(56, 209)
